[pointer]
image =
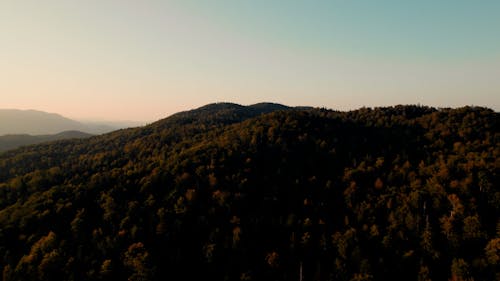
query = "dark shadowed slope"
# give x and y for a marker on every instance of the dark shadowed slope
(13, 141)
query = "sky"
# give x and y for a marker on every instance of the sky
(145, 60)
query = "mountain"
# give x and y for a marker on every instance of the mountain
(222, 113)
(13, 141)
(231, 192)
(13, 121)
(34, 122)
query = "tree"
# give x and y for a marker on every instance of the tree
(138, 261)
(472, 228)
(460, 271)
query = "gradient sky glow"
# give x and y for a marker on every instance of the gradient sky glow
(144, 60)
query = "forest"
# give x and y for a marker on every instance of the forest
(262, 192)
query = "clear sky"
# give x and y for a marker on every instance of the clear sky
(144, 60)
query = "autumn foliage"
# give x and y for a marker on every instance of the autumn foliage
(266, 192)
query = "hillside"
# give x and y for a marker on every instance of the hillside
(227, 192)
(13, 141)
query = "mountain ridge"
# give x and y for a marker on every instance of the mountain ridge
(12, 141)
(36, 122)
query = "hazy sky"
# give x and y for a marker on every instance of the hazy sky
(144, 60)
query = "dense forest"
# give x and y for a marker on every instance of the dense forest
(264, 192)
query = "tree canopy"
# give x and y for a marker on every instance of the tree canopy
(266, 192)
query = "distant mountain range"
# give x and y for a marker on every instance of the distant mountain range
(26, 127)
(34, 122)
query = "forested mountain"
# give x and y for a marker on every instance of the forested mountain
(265, 192)
(13, 141)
